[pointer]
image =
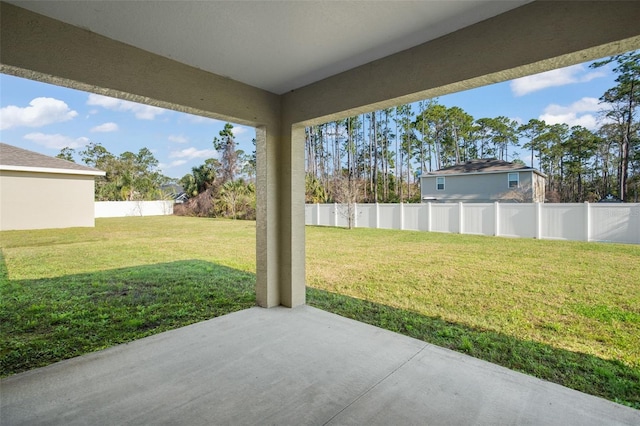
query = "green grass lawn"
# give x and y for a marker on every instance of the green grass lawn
(567, 312)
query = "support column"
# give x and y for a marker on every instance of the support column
(291, 235)
(267, 289)
(280, 239)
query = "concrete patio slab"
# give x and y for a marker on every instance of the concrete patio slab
(290, 366)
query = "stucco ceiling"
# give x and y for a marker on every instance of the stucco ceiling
(274, 45)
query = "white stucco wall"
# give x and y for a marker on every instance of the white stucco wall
(31, 200)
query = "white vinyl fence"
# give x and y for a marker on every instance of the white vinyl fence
(133, 208)
(607, 222)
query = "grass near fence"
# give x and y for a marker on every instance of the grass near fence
(567, 312)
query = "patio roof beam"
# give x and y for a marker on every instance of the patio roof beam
(537, 37)
(41, 48)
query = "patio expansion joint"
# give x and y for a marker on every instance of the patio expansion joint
(372, 387)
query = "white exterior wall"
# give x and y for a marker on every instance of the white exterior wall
(478, 187)
(30, 200)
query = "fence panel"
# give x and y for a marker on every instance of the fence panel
(415, 217)
(479, 219)
(341, 215)
(596, 222)
(563, 221)
(444, 218)
(366, 216)
(615, 223)
(310, 214)
(133, 208)
(517, 220)
(389, 216)
(325, 215)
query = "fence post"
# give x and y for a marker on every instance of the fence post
(335, 214)
(460, 218)
(355, 215)
(496, 215)
(377, 215)
(401, 216)
(538, 219)
(429, 216)
(587, 222)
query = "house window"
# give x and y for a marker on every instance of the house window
(514, 180)
(440, 183)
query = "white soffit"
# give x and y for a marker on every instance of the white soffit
(274, 45)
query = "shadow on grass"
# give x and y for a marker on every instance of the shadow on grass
(47, 320)
(605, 378)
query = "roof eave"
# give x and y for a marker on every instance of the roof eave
(11, 168)
(437, 174)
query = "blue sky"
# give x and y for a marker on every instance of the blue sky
(45, 118)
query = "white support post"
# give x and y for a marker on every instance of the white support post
(460, 219)
(429, 216)
(538, 219)
(496, 215)
(335, 214)
(355, 215)
(401, 216)
(587, 221)
(377, 215)
(317, 214)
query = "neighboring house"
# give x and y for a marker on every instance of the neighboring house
(483, 181)
(175, 191)
(38, 191)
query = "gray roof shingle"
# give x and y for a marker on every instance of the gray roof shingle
(12, 157)
(483, 165)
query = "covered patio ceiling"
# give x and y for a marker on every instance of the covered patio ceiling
(281, 65)
(277, 46)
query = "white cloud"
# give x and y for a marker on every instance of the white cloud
(176, 163)
(142, 112)
(191, 153)
(178, 139)
(517, 120)
(106, 127)
(553, 78)
(579, 113)
(56, 141)
(238, 131)
(40, 112)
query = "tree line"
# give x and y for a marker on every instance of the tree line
(129, 176)
(222, 187)
(379, 156)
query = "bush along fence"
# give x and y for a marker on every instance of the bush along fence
(605, 222)
(133, 208)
